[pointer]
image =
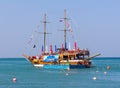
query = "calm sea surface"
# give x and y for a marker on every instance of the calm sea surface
(30, 77)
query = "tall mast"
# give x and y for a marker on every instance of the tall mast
(65, 29)
(45, 22)
(44, 32)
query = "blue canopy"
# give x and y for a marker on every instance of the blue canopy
(50, 58)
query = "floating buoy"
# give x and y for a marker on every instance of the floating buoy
(67, 74)
(14, 80)
(105, 72)
(97, 71)
(108, 67)
(94, 78)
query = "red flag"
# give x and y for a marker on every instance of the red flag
(75, 45)
(62, 46)
(51, 48)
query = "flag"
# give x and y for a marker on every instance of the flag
(62, 46)
(55, 48)
(34, 46)
(60, 20)
(51, 48)
(75, 45)
(42, 48)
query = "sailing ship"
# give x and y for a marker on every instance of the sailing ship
(61, 58)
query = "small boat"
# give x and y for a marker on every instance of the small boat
(61, 58)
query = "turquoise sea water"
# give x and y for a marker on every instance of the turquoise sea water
(30, 77)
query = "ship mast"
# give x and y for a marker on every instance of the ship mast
(65, 18)
(44, 21)
(44, 32)
(65, 29)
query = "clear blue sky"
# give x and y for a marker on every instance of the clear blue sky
(95, 24)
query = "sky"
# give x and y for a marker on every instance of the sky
(95, 25)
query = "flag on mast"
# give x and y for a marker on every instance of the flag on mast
(55, 48)
(42, 49)
(61, 20)
(75, 45)
(51, 49)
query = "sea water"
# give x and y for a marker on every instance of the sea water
(27, 76)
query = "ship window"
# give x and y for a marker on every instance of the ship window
(65, 57)
(77, 55)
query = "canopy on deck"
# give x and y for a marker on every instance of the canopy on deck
(51, 58)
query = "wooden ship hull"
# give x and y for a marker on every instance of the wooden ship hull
(56, 61)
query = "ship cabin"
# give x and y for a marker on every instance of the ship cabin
(76, 54)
